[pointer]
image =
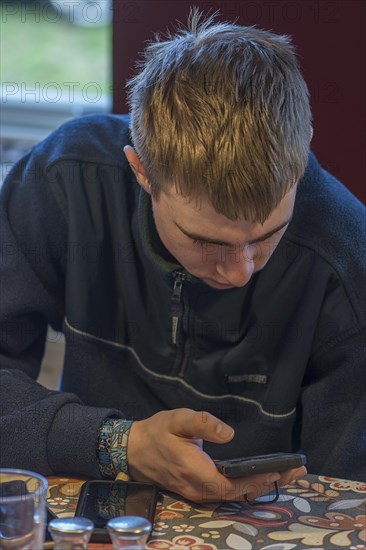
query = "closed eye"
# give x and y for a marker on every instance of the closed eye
(196, 239)
(202, 242)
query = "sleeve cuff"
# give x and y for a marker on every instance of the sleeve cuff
(72, 437)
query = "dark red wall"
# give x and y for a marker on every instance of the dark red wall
(330, 39)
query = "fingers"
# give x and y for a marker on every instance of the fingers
(283, 478)
(290, 475)
(200, 424)
(235, 489)
(221, 488)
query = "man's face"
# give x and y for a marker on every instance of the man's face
(222, 253)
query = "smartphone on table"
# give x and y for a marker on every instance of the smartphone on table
(277, 462)
(102, 500)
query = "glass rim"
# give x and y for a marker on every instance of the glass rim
(39, 491)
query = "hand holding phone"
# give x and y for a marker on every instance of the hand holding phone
(167, 449)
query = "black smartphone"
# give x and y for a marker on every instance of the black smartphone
(277, 462)
(102, 500)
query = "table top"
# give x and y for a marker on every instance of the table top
(316, 512)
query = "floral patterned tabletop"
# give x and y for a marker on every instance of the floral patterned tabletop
(314, 513)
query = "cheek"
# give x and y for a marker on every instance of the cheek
(207, 255)
(197, 260)
(195, 256)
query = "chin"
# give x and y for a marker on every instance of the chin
(216, 285)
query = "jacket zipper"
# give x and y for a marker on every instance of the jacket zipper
(177, 305)
(186, 348)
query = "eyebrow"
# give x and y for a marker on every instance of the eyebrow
(209, 240)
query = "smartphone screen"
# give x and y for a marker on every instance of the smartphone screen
(100, 501)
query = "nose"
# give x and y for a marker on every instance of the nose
(236, 266)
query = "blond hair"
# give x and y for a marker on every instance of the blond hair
(222, 112)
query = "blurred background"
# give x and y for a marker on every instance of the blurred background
(56, 63)
(65, 58)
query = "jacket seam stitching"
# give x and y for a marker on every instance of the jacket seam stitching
(30, 266)
(336, 340)
(292, 237)
(77, 160)
(183, 382)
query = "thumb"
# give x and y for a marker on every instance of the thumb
(202, 425)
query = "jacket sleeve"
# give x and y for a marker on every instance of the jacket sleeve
(334, 409)
(40, 430)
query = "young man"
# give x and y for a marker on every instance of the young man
(209, 282)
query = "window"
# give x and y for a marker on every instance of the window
(56, 63)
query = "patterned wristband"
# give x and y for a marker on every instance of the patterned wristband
(103, 446)
(118, 445)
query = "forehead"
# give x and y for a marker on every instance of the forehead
(201, 217)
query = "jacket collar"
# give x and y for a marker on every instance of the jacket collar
(157, 254)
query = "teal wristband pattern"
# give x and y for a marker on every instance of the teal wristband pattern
(103, 445)
(118, 445)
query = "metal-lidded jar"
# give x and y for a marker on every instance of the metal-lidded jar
(129, 532)
(71, 533)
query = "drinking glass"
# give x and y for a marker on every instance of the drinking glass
(22, 509)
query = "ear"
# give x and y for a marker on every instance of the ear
(137, 167)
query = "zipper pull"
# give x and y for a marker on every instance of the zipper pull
(177, 305)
